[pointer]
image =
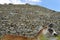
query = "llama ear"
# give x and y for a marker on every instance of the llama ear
(51, 25)
(42, 25)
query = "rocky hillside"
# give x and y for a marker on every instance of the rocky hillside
(26, 19)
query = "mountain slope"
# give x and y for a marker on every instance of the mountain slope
(25, 19)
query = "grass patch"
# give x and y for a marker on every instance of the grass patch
(58, 37)
(42, 37)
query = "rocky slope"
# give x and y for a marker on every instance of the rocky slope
(26, 19)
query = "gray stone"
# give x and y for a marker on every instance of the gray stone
(13, 31)
(11, 28)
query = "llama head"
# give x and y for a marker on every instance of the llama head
(52, 30)
(49, 29)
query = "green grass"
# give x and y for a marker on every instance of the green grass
(0, 37)
(58, 37)
(42, 37)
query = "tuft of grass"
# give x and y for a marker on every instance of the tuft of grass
(42, 37)
(0, 37)
(58, 37)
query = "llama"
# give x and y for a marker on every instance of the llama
(43, 31)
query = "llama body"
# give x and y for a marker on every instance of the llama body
(14, 37)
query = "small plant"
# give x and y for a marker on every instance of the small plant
(0, 36)
(42, 37)
(58, 37)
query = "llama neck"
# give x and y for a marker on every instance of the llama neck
(41, 32)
